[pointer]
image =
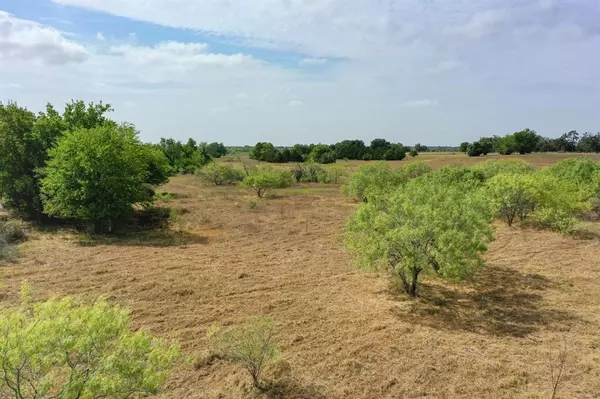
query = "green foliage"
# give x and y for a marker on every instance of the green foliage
(350, 149)
(95, 175)
(216, 150)
(24, 143)
(184, 158)
(490, 169)
(413, 153)
(467, 179)
(464, 146)
(414, 170)
(512, 195)
(313, 173)
(322, 154)
(395, 152)
(335, 173)
(420, 227)
(58, 349)
(373, 180)
(252, 344)
(220, 173)
(262, 180)
(158, 168)
(525, 141)
(11, 232)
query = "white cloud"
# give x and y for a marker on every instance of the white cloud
(100, 37)
(295, 103)
(479, 24)
(312, 61)
(419, 103)
(178, 55)
(444, 66)
(27, 40)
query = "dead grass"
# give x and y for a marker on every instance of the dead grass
(343, 333)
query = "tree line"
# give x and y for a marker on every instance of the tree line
(528, 141)
(379, 149)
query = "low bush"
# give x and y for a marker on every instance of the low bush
(220, 174)
(61, 349)
(252, 344)
(414, 170)
(313, 174)
(371, 180)
(335, 173)
(490, 169)
(12, 232)
(265, 179)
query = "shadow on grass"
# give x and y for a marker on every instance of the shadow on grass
(502, 302)
(291, 388)
(148, 238)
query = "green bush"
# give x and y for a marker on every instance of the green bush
(58, 349)
(414, 170)
(252, 344)
(335, 173)
(490, 169)
(322, 154)
(462, 176)
(220, 173)
(420, 228)
(373, 180)
(96, 176)
(512, 195)
(265, 179)
(313, 173)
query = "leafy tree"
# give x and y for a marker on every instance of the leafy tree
(413, 153)
(464, 146)
(219, 174)
(482, 147)
(158, 168)
(262, 180)
(322, 154)
(512, 195)
(414, 170)
(468, 179)
(507, 145)
(490, 169)
(525, 141)
(252, 344)
(184, 158)
(395, 152)
(78, 115)
(58, 349)
(378, 148)
(370, 181)
(420, 228)
(216, 150)
(95, 175)
(350, 149)
(589, 143)
(421, 148)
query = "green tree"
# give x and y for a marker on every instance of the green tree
(464, 146)
(395, 152)
(372, 180)
(216, 150)
(525, 141)
(420, 228)
(262, 180)
(512, 195)
(507, 145)
(413, 153)
(219, 174)
(95, 175)
(378, 148)
(490, 169)
(350, 149)
(58, 349)
(158, 168)
(323, 154)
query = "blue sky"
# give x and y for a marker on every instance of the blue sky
(287, 71)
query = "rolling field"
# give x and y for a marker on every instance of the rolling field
(343, 333)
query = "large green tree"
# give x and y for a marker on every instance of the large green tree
(96, 175)
(420, 228)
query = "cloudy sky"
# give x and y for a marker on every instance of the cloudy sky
(287, 71)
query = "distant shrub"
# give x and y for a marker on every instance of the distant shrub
(322, 154)
(298, 172)
(265, 179)
(58, 349)
(414, 170)
(313, 173)
(490, 169)
(12, 232)
(413, 153)
(220, 174)
(371, 180)
(252, 344)
(335, 173)
(252, 204)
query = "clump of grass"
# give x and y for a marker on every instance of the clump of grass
(11, 232)
(252, 345)
(252, 204)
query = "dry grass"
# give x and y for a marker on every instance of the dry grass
(344, 334)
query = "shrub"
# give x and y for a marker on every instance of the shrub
(252, 344)
(371, 180)
(64, 350)
(96, 176)
(420, 227)
(414, 170)
(265, 179)
(298, 172)
(335, 173)
(490, 169)
(462, 176)
(512, 195)
(413, 153)
(12, 232)
(313, 173)
(219, 174)
(322, 154)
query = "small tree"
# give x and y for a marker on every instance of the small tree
(420, 227)
(413, 153)
(370, 180)
(96, 175)
(58, 349)
(512, 195)
(251, 344)
(265, 179)
(219, 174)
(322, 154)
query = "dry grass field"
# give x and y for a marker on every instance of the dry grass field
(343, 333)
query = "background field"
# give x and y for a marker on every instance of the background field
(344, 334)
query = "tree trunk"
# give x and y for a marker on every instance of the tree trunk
(411, 287)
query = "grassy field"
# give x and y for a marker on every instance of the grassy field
(343, 333)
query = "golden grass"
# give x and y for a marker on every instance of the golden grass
(344, 334)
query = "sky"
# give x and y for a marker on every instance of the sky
(436, 72)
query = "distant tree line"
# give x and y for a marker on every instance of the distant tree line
(528, 141)
(379, 149)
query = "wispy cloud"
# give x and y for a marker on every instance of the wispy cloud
(419, 103)
(312, 61)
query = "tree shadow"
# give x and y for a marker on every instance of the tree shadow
(291, 388)
(148, 238)
(500, 301)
